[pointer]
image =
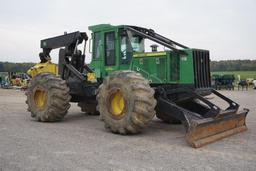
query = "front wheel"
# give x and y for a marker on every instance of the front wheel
(126, 102)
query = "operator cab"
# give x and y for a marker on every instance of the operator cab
(113, 47)
(157, 58)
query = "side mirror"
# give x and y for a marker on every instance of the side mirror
(90, 45)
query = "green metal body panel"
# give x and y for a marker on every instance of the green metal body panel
(165, 67)
(169, 67)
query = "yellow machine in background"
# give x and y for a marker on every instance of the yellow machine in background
(17, 79)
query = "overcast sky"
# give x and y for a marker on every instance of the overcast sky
(225, 27)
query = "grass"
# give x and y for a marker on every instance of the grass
(243, 74)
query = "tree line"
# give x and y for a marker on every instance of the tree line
(227, 65)
(15, 67)
(233, 65)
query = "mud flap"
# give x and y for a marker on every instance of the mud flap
(208, 130)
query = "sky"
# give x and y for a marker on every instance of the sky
(225, 27)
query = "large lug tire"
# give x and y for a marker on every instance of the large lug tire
(166, 118)
(48, 97)
(89, 107)
(126, 102)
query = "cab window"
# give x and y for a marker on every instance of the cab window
(97, 43)
(110, 48)
(126, 50)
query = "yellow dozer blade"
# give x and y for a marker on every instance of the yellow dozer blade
(204, 121)
(208, 130)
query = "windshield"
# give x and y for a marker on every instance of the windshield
(130, 43)
(136, 41)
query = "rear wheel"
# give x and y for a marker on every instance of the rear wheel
(48, 97)
(126, 102)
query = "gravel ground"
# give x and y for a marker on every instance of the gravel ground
(80, 142)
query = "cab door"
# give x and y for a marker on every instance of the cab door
(97, 55)
(110, 52)
(125, 52)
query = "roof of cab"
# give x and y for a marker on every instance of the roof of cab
(100, 27)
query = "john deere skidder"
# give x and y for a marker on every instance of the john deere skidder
(128, 86)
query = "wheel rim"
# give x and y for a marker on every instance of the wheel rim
(117, 103)
(40, 98)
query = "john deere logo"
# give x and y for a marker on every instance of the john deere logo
(183, 58)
